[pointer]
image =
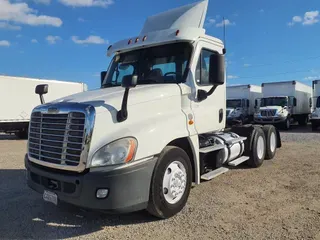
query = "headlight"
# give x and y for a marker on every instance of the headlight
(117, 152)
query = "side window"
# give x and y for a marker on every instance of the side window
(202, 70)
(121, 71)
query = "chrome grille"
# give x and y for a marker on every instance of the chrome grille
(57, 138)
(268, 112)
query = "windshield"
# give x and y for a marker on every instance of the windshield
(234, 103)
(153, 65)
(274, 101)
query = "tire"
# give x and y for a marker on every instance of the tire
(161, 204)
(314, 126)
(270, 134)
(258, 149)
(286, 124)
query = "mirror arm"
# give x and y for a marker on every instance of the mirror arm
(41, 99)
(122, 114)
(212, 90)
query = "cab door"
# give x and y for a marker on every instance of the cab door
(209, 114)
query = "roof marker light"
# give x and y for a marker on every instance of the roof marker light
(144, 38)
(177, 32)
(137, 40)
(109, 47)
(130, 41)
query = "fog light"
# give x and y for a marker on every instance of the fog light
(102, 193)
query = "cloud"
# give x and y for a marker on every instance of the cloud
(53, 39)
(309, 18)
(227, 22)
(34, 40)
(81, 19)
(310, 78)
(87, 3)
(247, 65)
(261, 10)
(89, 40)
(21, 13)
(232, 77)
(4, 43)
(46, 2)
(5, 25)
(19, 36)
(210, 22)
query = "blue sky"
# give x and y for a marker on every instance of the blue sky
(67, 39)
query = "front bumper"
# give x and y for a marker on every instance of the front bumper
(269, 120)
(128, 187)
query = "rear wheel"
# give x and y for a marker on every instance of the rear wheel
(258, 149)
(271, 140)
(171, 183)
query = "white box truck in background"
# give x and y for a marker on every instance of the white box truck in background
(18, 99)
(241, 102)
(284, 103)
(315, 116)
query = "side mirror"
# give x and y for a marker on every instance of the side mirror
(255, 103)
(216, 69)
(41, 90)
(102, 76)
(310, 102)
(294, 102)
(129, 81)
(248, 103)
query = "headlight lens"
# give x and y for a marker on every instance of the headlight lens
(118, 152)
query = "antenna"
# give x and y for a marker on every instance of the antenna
(224, 36)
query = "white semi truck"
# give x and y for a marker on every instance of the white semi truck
(18, 100)
(242, 101)
(284, 103)
(155, 127)
(315, 116)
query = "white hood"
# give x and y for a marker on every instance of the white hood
(111, 98)
(278, 108)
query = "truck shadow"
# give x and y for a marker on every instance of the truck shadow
(24, 215)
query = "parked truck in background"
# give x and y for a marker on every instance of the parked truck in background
(284, 103)
(241, 103)
(18, 98)
(155, 127)
(315, 102)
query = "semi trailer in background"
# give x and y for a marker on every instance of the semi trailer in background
(284, 103)
(18, 98)
(242, 101)
(315, 116)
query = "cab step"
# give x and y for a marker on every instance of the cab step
(238, 161)
(213, 148)
(215, 173)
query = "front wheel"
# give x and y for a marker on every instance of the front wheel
(171, 183)
(287, 124)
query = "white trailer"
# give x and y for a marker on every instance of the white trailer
(18, 99)
(283, 103)
(156, 126)
(241, 102)
(315, 116)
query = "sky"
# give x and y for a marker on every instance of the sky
(67, 39)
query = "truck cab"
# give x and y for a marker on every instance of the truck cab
(275, 110)
(156, 125)
(237, 109)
